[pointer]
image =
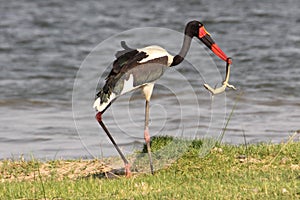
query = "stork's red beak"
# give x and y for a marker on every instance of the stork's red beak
(204, 36)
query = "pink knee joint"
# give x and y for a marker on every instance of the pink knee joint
(147, 135)
(99, 116)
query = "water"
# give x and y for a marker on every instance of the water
(43, 45)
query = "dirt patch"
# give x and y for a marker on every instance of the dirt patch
(32, 170)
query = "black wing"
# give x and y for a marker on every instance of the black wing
(125, 62)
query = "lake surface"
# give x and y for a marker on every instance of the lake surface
(53, 54)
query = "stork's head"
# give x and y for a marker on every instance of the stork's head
(196, 29)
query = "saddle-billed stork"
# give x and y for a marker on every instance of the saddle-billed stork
(139, 69)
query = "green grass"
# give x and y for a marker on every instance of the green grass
(260, 171)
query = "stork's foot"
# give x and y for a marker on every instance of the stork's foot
(127, 171)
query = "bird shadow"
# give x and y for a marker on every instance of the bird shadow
(112, 174)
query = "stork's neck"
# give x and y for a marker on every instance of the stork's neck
(184, 49)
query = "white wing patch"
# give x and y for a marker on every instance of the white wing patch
(155, 52)
(128, 85)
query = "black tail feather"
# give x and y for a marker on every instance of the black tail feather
(122, 52)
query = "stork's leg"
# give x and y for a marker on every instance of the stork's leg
(126, 163)
(147, 135)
